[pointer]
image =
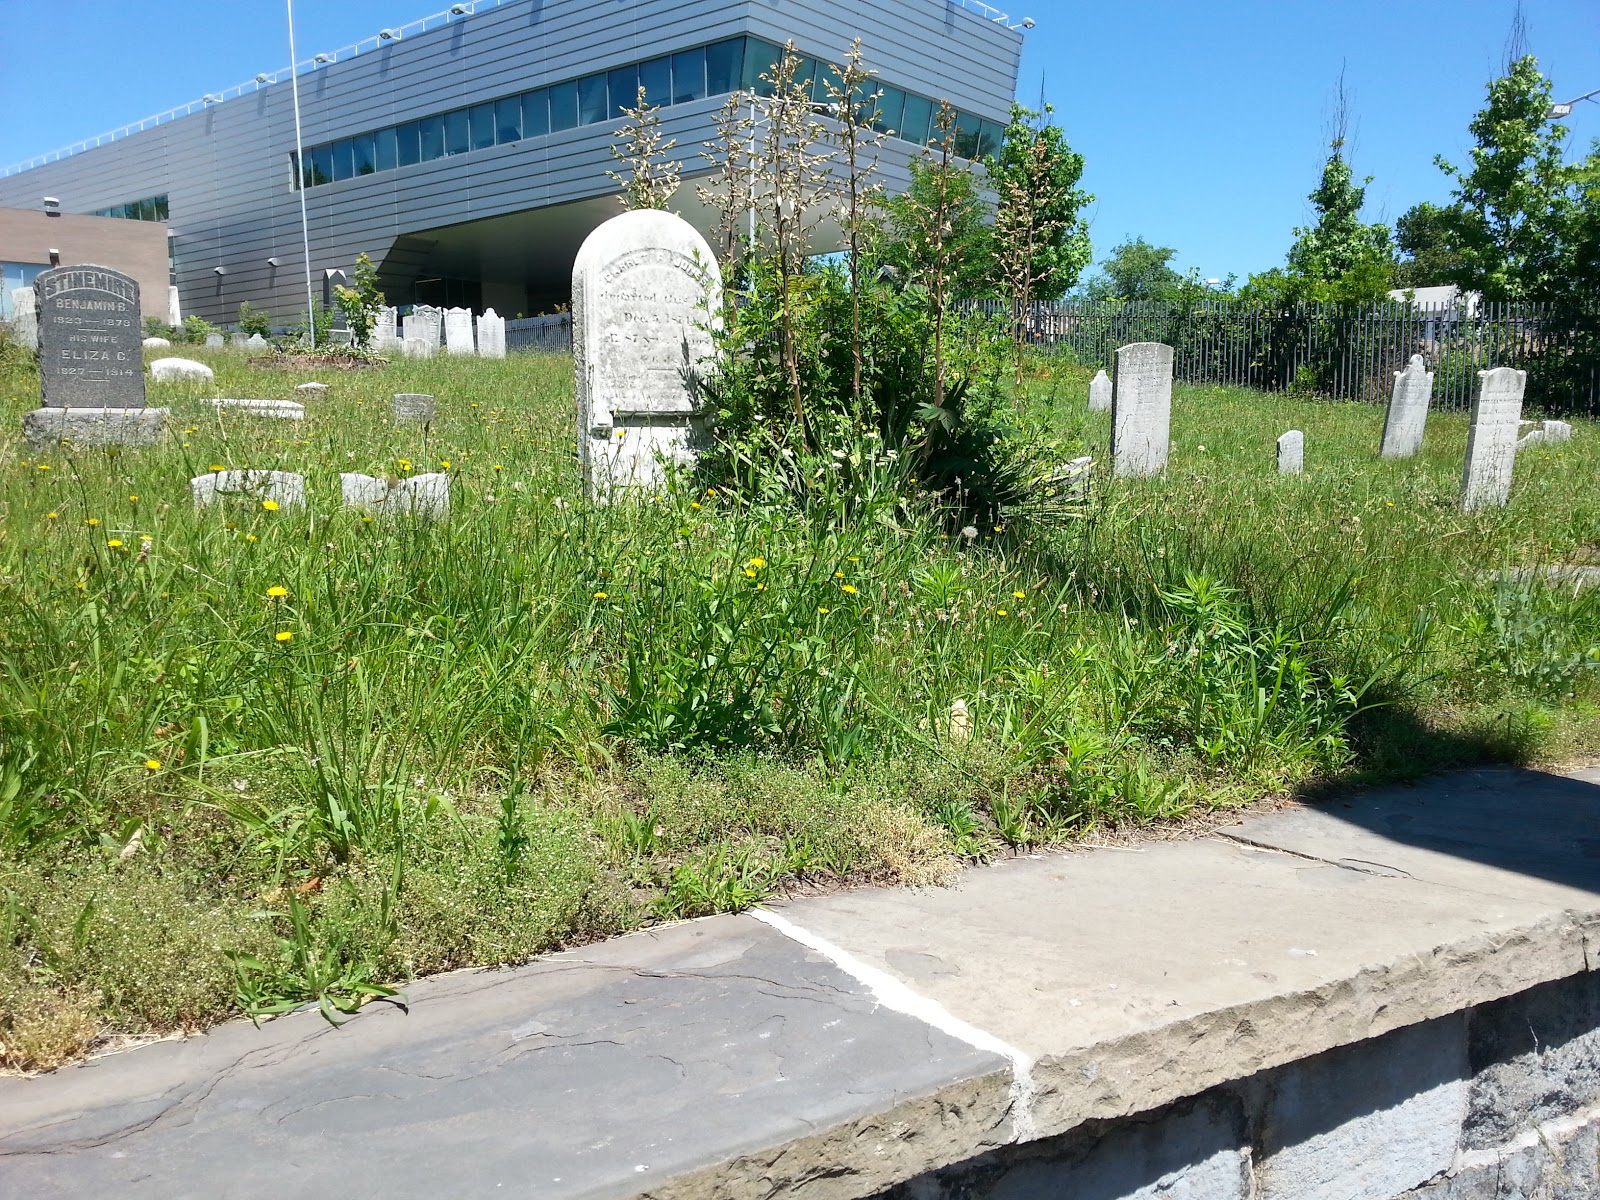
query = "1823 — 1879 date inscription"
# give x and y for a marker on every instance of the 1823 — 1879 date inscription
(90, 353)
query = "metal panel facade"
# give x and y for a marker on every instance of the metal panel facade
(228, 175)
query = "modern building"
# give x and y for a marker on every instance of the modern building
(467, 153)
(34, 240)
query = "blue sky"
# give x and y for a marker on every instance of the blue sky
(1204, 124)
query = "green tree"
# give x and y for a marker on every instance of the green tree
(1137, 270)
(958, 247)
(1341, 257)
(360, 304)
(1036, 176)
(1513, 206)
(1423, 235)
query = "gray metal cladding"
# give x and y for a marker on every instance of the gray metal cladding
(228, 175)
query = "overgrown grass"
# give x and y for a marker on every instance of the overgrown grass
(541, 721)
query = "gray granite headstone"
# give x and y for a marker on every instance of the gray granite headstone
(413, 406)
(491, 335)
(1292, 453)
(25, 317)
(1141, 409)
(89, 338)
(1492, 440)
(458, 331)
(1408, 410)
(643, 292)
(1100, 392)
(284, 488)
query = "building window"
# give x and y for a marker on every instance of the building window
(151, 208)
(735, 64)
(18, 275)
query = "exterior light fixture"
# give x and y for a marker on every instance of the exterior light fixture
(219, 270)
(52, 207)
(210, 98)
(388, 35)
(322, 58)
(273, 263)
(55, 256)
(458, 10)
(263, 77)
(1564, 109)
(1025, 23)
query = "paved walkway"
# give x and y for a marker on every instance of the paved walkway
(848, 1042)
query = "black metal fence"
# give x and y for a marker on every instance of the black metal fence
(539, 333)
(1342, 351)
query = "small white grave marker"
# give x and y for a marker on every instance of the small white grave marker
(1141, 409)
(1292, 453)
(1492, 440)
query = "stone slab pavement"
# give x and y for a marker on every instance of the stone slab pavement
(837, 1045)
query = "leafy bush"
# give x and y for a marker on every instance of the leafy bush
(253, 320)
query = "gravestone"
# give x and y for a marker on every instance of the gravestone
(283, 410)
(413, 406)
(215, 341)
(1549, 433)
(1071, 479)
(1408, 410)
(311, 391)
(416, 347)
(180, 370)
(256, 342)
(341, 337)
(458, 331)
(1141, 409)
(1492, 440)
(424, 322)
(426, 495)
(643, 290)
(91, 365)
(384, 335)
(155, 343)
(174, 308)
(1100, 392)
(284, 488)
(491, 335)
(1292, 453)
(237, 340)
(25, 317)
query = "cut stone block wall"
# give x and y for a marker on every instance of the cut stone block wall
(1497, 1102)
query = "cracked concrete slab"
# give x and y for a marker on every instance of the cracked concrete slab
(705, 1054)
(1135, 977)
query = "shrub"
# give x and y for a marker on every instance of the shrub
(253, 320)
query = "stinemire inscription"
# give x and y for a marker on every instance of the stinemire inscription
(90, 343)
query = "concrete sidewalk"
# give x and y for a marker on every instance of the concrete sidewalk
(843, 1044)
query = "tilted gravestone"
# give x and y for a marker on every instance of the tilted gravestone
(413, 406)
(1292, 453)
(1492, 440)
(1408, 410)
(1100, 392)
(458, 331)
(491, 335)
(644, 290)
(25, 318)
(426, 495)
(1549, 433)
(286, 489)
(1141, 409)
(91, 363)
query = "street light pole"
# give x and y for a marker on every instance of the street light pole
(300, 166)
(1564, 109)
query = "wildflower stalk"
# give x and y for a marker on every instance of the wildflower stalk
(652, 176)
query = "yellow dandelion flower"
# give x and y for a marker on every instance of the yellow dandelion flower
(152, 764)
(600, 595)
(1019, 595)
(853, 558)
(270, 505)
(838, 574)
(277, 591)
(695, 504)
(283, 635)
(749, 573)
(761, 587)
(847, 590)
(133, 499)
(92, 522)
(1000, 612)
(216, 466)
(498, 467)
(444, 464)
(44, 466)
(115, 543)
(756, 563)
(249, 537)
(822, 610)
(711, 491)
(51, 516)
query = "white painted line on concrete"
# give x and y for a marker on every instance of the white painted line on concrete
(893, 994)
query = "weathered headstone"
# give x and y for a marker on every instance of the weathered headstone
(1071, 479)
(155, 343)
(1100, 392)
(413, 406)
(180, 370)
(1141, 409)
(425, 495)
(283, 410)
(311, 391)
(424, 322)
(1292, 453)
(256, 342)
(1492, 440)
(1549, 433)
(286, 489)
(174, 308)
(341, 337)
(1408, 410)
(384, 334)
(491, 335)
(237, 340)
(25, 317)
(215, 341)
(458, 331)
(416, 347)
(643, 291)
(89, 338)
